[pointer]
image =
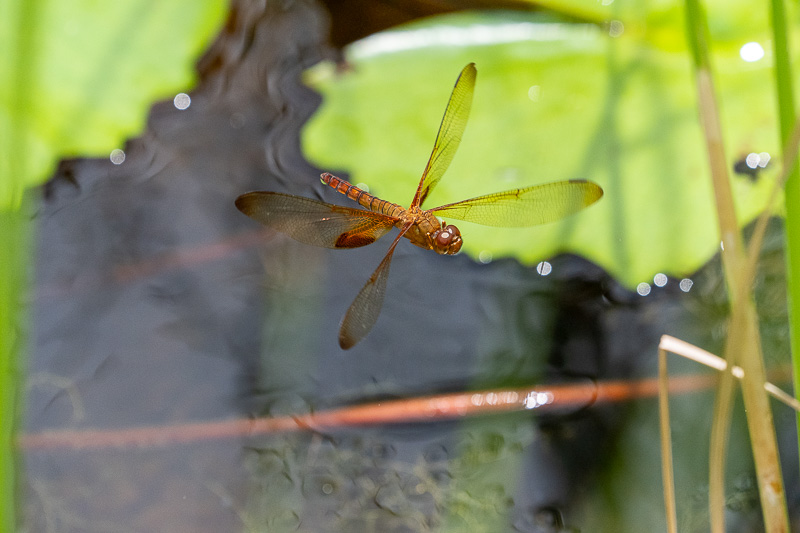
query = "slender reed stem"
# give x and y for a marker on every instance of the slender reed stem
(743, 345)
(667, 475)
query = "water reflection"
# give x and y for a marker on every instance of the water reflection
(190, 318)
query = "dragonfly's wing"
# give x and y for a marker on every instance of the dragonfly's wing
(364, 311)
(530, 206)
(450, 132)
(314, 222)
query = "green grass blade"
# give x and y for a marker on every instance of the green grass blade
(743, 345)
(13, 234)
(786, 116)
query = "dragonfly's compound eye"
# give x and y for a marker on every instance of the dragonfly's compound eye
(448, 240)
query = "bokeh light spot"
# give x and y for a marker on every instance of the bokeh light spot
(751, 52)
(117, 156)
(182, 101)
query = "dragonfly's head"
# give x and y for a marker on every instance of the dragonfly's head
(447, 240)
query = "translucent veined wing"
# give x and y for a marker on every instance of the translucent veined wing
(314, 222)
(530, 206)
(450, 132)
(364, 311)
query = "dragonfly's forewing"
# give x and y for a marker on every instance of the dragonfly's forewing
(314, 222)
(364, 311)
(450, 132)
(530, 206)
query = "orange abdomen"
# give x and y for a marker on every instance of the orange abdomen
(361, 196)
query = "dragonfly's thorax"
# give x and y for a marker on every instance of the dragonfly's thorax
(430, 233)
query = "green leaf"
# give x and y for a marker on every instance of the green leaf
(79, 76)
(553, 101)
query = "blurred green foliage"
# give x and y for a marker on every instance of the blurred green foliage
(614, 103)
(77, 78)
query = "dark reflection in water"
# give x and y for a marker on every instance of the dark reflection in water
(158, 303)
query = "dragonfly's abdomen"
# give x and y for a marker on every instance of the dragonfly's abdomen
(365, 199)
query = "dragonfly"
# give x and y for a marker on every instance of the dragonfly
(333, 226)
